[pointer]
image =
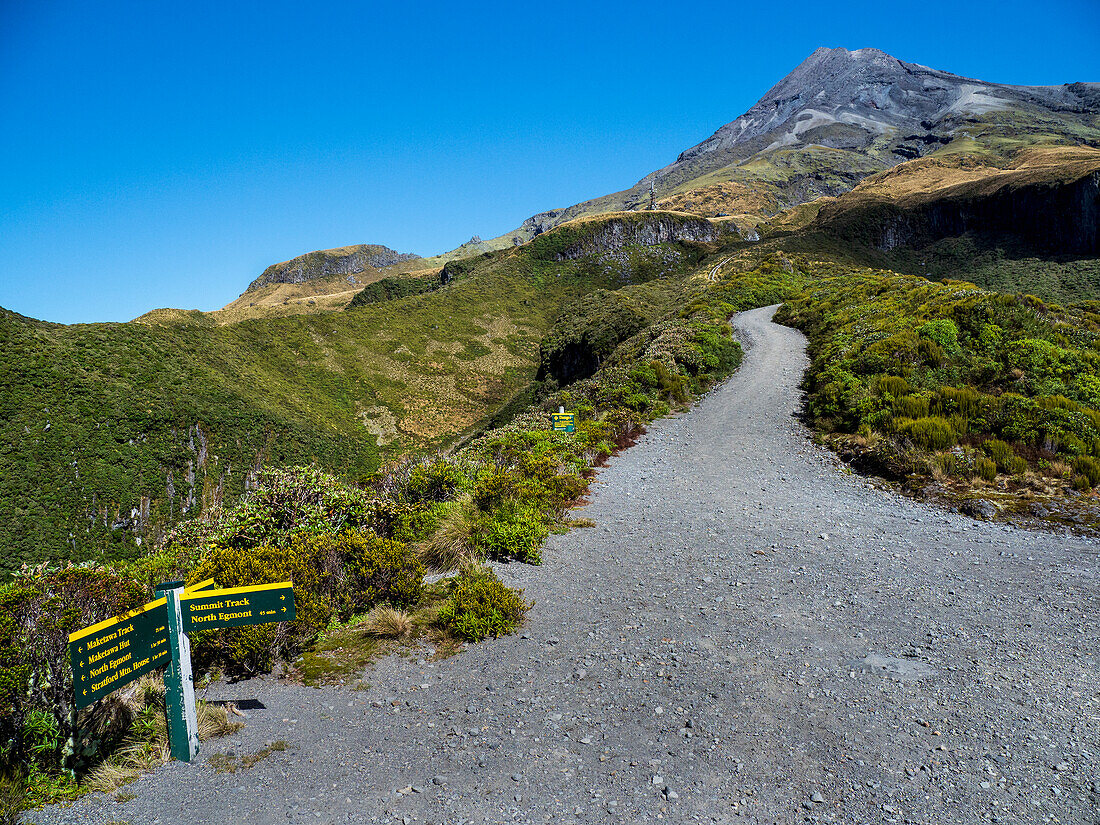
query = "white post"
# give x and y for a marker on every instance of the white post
(179, 682)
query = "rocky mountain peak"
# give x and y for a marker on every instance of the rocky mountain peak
(853, 99)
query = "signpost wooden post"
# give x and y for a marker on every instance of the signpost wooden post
(115, 652)
(179, 681)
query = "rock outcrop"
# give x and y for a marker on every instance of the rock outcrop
(346, 260)
(642, 230)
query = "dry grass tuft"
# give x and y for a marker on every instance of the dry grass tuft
(1059, 469)
(450, 547)
(146, 744)
(214, 721)
(110, 776)
(388, 622)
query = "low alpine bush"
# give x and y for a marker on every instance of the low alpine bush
(481, 605)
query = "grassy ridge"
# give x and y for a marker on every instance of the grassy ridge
(111, 432)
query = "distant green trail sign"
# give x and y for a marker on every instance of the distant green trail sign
(563, 421)
(237, 606)
(110, 654)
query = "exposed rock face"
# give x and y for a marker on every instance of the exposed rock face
(618, 232)
(347, 260)
(542, 222)
(1045, 217)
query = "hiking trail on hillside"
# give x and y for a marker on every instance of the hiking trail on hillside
(749, 633)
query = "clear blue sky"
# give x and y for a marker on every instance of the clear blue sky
(162, 154)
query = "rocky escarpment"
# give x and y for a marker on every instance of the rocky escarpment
(638, 229)
(347, 260)
(1044, 217)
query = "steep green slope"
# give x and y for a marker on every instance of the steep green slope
(111, 432)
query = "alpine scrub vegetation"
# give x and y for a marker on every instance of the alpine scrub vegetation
(480, 605)
(919, 379)
(357, 553)
(117, 432)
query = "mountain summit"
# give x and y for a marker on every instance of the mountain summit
(838, 117)
(867, 100)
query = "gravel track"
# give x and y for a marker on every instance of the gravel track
(749, 634)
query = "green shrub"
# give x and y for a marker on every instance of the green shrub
(433, 481)
(943, 332)
(985, 468)
(415, 523)
(333, 575)
(965, 401)
(932, 433)
(377, 570)
(671, 384)
(512, 531)
(1000, 452)
(1081, 482)
(947, 463)
(1088, 467)
(1070, 444)
(481, 605)
(893, 385)
(911, 406)
(254, 648)
(288, 501)
(38, 611)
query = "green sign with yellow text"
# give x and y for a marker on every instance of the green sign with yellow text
(237, 606)
(110, 654)
(563, 421)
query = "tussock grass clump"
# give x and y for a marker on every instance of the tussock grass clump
(389, 622)
(451, 546)
(144, 744)
(13, 795)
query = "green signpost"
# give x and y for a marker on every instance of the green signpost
(238, 606)
(563, 421)
(115, 652)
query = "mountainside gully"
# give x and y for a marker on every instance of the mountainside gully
(748, 634)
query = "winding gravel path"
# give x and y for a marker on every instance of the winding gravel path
(749, 634)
